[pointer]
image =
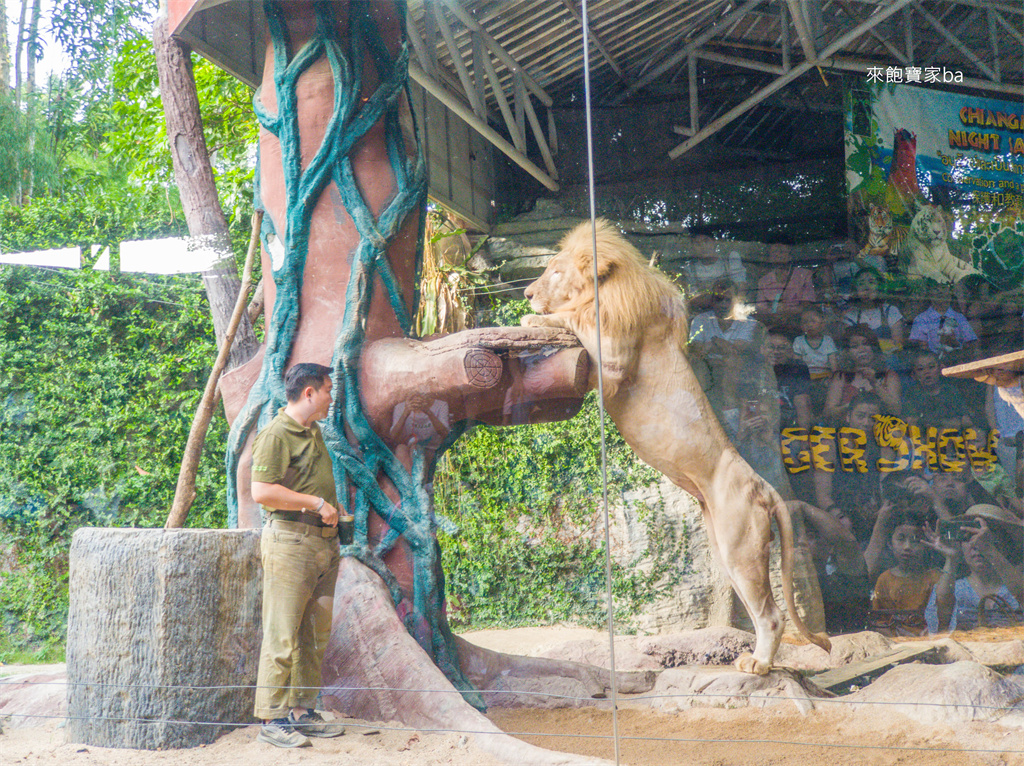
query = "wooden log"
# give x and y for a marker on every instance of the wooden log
(163, 635)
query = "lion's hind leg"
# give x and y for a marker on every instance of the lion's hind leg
(740, 530)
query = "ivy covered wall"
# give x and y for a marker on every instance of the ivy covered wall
(100, 376)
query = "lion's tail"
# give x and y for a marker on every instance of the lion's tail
(785, 523)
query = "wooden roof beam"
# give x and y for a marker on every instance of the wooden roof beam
(802, 31)
(1009, 27)
(460, 66)
(993, 41)
(896, 52)
(955, 41)
(445, 97)
(831, 49)
(685, 51)
(1018, 9)
(571, 5)
(502, 55)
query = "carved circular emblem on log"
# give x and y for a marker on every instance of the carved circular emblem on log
(483, 369)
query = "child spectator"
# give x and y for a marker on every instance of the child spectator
(902, 593)
(816, 349)
(705, 267)
(930, 398)
(792, 379)
(994, 315)
(862, 369)
(842, 574)
(833, 280)
(728, 345)
(847, 486)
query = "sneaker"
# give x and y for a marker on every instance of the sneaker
(280, 733)
(313, 724)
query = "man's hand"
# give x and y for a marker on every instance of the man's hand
(933, 540)
(1003, 378)
(329, 514)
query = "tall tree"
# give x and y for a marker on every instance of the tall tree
(33, 51)
(194, 175)
(5, 50)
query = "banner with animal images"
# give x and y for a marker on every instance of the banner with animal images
(936, 182)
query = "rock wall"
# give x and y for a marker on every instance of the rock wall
(694, 593)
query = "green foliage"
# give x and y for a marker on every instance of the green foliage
(100, 376)
(528, 507)
(135, 140)
(99, 141)
(50, 222)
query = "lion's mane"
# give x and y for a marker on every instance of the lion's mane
(633, 294)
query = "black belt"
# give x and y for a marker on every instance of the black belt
(298, 516)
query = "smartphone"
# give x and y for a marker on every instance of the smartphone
(752, 408)
(953, 530)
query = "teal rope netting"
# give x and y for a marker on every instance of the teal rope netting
(357, 465)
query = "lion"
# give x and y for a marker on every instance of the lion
(927, 254)
(655, 400)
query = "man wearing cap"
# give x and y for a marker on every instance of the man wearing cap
(292, 479)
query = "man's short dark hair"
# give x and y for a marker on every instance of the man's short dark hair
(304, 374)
(783, 329)
(867, 397)
(922, 352)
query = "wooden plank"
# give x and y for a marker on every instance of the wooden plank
(1012, 361)
(870, 666)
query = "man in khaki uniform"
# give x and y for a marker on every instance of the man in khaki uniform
(292, 479)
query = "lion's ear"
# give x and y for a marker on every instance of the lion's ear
(605, 266)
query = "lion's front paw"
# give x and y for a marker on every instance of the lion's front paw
(533, 320)
(746, 663)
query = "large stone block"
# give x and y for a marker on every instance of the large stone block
(163, 635)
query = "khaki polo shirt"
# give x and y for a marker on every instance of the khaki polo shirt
(285, 453)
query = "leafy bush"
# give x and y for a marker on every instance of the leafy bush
(100, 376)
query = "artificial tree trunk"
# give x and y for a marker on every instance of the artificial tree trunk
(343, 186)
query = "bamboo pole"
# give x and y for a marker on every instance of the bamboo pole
(185, 491)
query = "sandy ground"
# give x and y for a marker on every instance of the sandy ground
(712, 737)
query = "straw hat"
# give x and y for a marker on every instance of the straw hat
(1001, 516)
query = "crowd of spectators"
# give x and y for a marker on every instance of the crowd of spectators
(830, 355)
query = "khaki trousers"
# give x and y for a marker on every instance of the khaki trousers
(300, 569)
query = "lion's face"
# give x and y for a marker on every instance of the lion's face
(929, 225)
(561, 282)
